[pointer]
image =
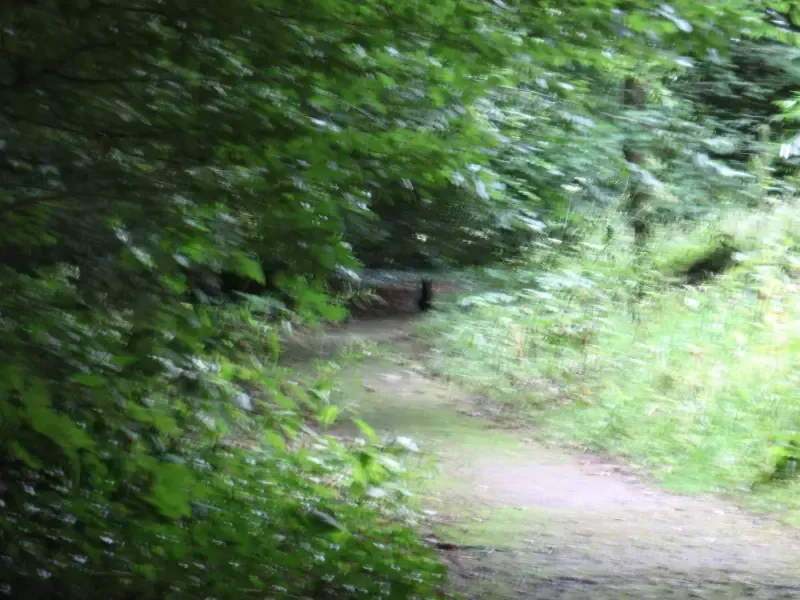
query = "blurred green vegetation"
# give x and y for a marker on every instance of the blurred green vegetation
(698, 383)
(183, 183)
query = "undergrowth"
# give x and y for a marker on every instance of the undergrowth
(217, 480)
(697, 383)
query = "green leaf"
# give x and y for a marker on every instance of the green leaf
(368, 431)
(89, 380)
(147, 571)
(171, 491)
(25, 456)
(325, 519)
(229, 371)
(391, 464)
(275, 440)
(361, 476)
(123, 360)
(328, 415)
(284, 401)
(250, 268)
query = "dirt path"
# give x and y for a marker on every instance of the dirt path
(529, 521)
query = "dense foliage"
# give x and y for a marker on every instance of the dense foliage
(151, 445)
(144, 142)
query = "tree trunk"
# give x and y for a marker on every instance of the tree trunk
(634, 96)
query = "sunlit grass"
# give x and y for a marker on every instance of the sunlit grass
(698, 384)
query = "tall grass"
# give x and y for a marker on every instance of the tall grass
(700, 384)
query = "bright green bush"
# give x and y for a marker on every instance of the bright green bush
(699, 383)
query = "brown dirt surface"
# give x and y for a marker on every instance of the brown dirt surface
(524, 520)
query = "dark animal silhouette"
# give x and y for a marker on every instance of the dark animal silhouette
(718, 260)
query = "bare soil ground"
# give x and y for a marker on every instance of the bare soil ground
(528, 521)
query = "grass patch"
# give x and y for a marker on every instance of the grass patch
(699, 384)
(397, 401)
(500, 527)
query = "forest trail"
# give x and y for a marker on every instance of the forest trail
(528, 521)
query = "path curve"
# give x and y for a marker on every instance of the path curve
(528, 521)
